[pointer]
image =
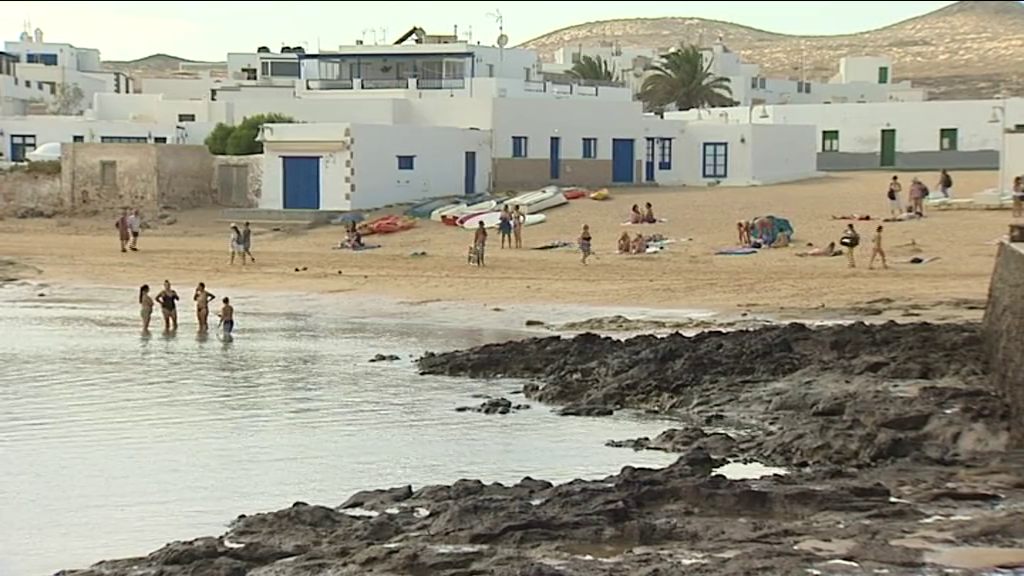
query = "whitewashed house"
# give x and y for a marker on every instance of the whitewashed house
(339, 166)
(956, 135)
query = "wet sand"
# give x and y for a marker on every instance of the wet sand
(775, 283)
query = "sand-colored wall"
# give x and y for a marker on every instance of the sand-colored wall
(1004, 333)
(184, 176)
(29, 193)
(531, 173)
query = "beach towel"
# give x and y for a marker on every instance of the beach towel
(659, 221)
(736, 251)
(555, 244)
(358, 248)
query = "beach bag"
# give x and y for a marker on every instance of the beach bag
(891, 195)
(849, 241)
(924, 191)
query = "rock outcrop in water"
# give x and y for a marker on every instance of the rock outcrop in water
(876, 413)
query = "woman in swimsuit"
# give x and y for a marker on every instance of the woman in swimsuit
(649, 214)
(202, 299)
(505, 226)
(635, 217)
(235, 244)
(168, 300)
(585, 240)
(518, 219)
(146, 306)
(625, 243)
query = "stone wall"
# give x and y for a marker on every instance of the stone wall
(109, 176)
(29, 192)
(184, 174)
(240, 183)
(1004, 333)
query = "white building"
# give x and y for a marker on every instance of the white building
(961, 134)
(335, 166)
(860, 78)
(43, 66)
(536, 132)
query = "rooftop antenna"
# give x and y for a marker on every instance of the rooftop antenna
(502, 38)
(372, 31)
(384, 35)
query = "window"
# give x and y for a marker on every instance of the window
(830, 141)
(803, 87)
(124, 139)
(186, 117)
(78, 138)
(883, 74)
(406, 162)
(280, 68)
(519, 147)
(160, 140)
(761, 83)
(590, 147)
(716, 160)
(108, 173)
(665, 154)
(753, 82)
(20, 146)
(44, 59)
(947, 139)
(490, 70)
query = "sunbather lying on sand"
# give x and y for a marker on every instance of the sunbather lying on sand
(852, 217)
(829, 250)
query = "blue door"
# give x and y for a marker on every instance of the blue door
(623, 157)
(556, 157)
(469, 187)
(649, 161)
(301, 182)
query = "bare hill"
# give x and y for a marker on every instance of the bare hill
(970, 49)
(156, 65)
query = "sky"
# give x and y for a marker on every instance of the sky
(208, 30)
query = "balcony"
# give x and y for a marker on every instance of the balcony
(388, 84)
(560, 89)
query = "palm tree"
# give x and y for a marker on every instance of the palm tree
(592, 68)
(682, 78)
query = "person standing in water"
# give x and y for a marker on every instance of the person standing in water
(877, 250)
(122, 229)
(227, 318)
(518, 220)
(145, 307)
(584, 241)
(202, 299)
(168, 300)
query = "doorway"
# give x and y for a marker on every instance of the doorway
(556, 158)
(888, 159)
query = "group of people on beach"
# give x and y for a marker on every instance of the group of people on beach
(129, 227)
(168, 300)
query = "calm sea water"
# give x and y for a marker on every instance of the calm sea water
(112, 444)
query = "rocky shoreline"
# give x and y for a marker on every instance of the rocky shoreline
(894, 442)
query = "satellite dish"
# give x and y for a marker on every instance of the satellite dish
(502, 40)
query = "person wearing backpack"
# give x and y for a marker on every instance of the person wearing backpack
(850, 241)
(945, 183)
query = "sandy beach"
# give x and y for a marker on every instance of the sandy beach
(774, 282)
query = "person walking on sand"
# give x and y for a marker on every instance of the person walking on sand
(945, 183)
(584, 241)
(122, 229)
(135, 228)
(168, 301)
(235, 245)
(202, 299)
(480, 243)
(145, 307)
(877, 250)
(893, 194)
(850, 239)
(505, 226)
(518, 220)
(247, 243)
(227, 318)
(1018, 197)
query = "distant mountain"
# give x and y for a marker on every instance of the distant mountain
(157, 65)
(971, 49)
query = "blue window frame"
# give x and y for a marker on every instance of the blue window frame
(590, 147)
(406, 162)
(665, 154)
(519, 147)
(716, 160)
